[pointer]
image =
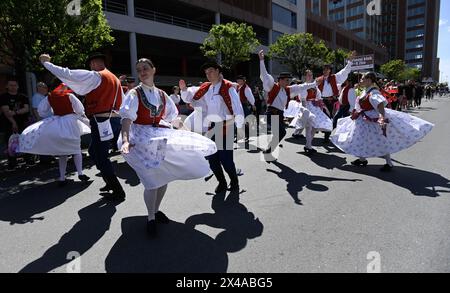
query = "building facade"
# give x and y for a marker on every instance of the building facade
(170, 33)
(411, 33)
(346, 24)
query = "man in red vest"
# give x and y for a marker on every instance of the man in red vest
(347, 99)
(221, 108)
(280, 94)
(103, 93)
(247, 100)
(328, 86)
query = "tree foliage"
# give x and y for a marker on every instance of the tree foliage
(29, 28)
(393, 69)
(300, 52)
(233, 42)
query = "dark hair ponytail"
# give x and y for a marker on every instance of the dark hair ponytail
(372, 76)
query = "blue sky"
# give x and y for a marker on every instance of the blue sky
(444, 40)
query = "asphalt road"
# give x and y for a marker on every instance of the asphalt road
(299, 214)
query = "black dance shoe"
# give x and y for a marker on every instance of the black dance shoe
(386, 168)
(360, 163)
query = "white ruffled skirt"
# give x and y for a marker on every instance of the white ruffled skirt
(313, 116)
(162, 155)
(54, 136)
(293, 109)
(362, 138)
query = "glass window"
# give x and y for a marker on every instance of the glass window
(284, 16)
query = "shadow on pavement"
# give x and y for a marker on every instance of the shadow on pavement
(418, 182)
(297, 181)
(95, 220)
(178, 248)
(327, 161)
(24, 206)
(124, 171)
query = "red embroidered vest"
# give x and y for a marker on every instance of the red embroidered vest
(242, 95)
(332, 82)
(365, 104)
(144, 113)
(274, 93)
(61, 105)
(224, 92)
(345, 100)
(312, 94)
(101, 99)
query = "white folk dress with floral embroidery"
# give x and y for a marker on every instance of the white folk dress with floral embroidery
(363, 138)
(161, 155)
(55, 135)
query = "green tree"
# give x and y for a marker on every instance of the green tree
(29, 28)
(301, 52)
(233, 42)
(393, 69)
(410, 73)
(339, 56)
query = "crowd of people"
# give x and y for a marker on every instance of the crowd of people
(359, 114)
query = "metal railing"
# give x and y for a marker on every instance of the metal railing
(115, 6)
(170, 19)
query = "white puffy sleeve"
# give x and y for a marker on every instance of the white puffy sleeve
(249, 95)
(171, 111)
(342, 75)
(129, 107)
(188, 95)
(77, 106)
(318, 95)
(267, 79)
(297, 89)
(80, 81)
(237, 108)
(44, 108)
(352, 98)
(376, 99)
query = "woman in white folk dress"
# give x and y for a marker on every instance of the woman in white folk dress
(158, 153)
(374, 131)
(311, 116)
(60, 133)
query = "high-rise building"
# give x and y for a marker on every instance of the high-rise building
(346, 24)
(411, 33)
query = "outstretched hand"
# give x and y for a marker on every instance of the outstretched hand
(352, 55)
(261, 55)
(45, 58)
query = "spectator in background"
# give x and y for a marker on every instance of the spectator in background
(41, 94)
(259, 100)
(175, 96)
(419, 95)
(410, 92)
(16, 112)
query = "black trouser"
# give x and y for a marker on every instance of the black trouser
(279, 115)
(418, 101)
(99, 151)
(344, 111)
(224, 155)
(329, 103)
